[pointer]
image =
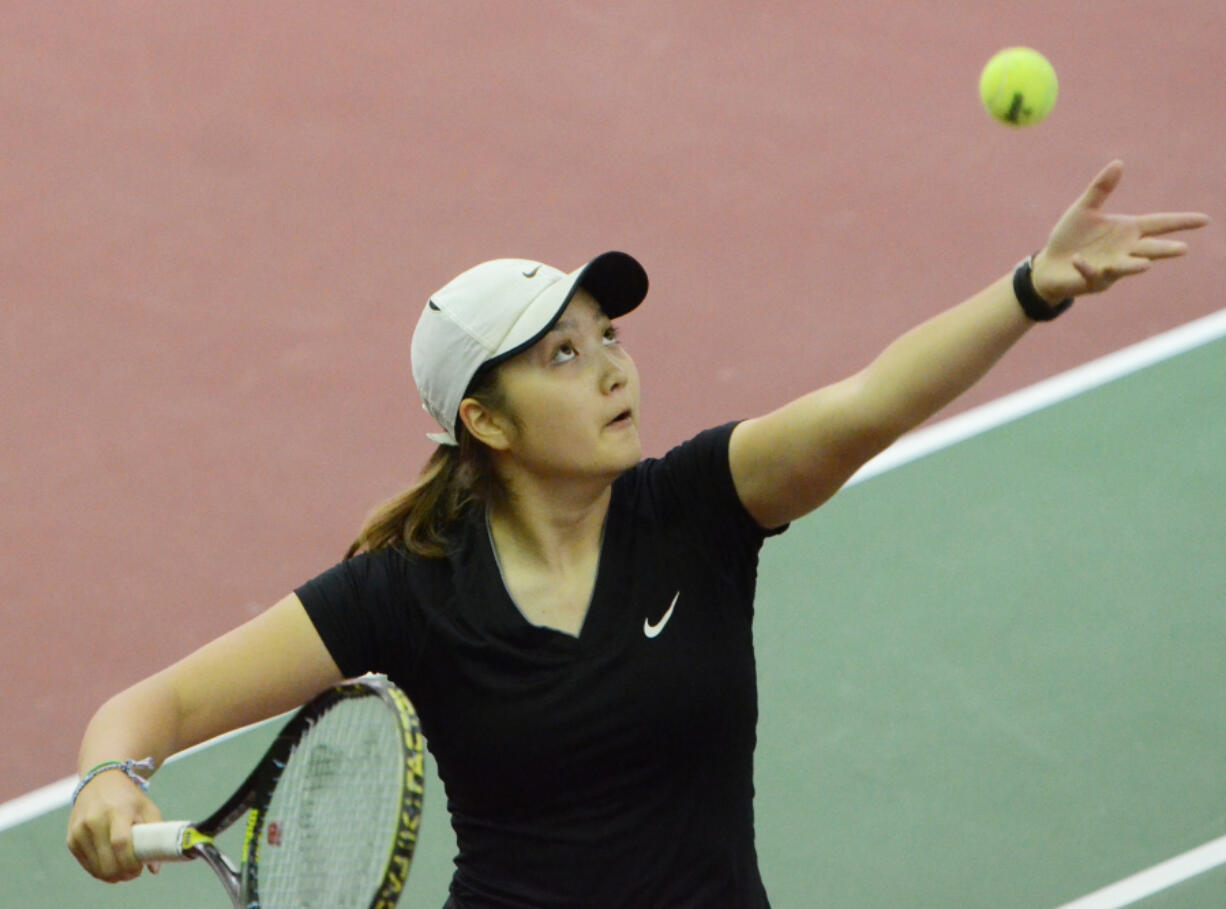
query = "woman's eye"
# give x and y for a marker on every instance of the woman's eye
(610, 335)
(564, 352)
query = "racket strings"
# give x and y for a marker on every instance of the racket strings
(329, 826)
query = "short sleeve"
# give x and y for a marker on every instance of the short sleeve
(366, 613)
(692, 487)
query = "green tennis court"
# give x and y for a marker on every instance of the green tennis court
(990, 677)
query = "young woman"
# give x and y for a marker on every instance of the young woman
(573, 623)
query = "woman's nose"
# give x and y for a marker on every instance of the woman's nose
(613, 374)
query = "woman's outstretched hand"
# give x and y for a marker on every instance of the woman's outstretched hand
(1090, 250)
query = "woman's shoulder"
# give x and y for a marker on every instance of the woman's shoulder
(702, 453)
(392, 567)
(398, 563)
(692, 484)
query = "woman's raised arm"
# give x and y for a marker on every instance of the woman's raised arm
(790, 461)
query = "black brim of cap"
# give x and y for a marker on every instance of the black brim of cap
(616, 280)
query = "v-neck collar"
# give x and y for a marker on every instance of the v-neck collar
(547, 632)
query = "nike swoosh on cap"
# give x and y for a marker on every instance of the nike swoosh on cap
(651, 630)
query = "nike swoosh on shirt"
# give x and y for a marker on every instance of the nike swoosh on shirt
(652, 630)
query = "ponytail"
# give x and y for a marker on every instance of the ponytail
(455, 478)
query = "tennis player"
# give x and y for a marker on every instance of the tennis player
(573, 622)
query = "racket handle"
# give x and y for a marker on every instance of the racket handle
(160, 842)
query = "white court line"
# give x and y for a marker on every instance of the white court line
(916, 445)
(1159, 877)
(1043, 394)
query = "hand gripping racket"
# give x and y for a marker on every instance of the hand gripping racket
(332, 808)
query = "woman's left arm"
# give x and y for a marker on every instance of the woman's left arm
(790, 461)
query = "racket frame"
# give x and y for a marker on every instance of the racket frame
(254, 795)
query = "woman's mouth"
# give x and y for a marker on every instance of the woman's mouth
(625, 418)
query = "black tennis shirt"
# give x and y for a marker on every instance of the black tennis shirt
(612, 769)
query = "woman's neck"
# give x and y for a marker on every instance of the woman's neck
(552, 529)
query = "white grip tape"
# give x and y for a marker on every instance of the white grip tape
(160, 842)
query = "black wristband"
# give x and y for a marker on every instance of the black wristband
(1035, 307)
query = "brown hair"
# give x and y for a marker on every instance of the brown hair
(455, 478)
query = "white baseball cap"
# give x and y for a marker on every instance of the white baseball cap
(496, 309)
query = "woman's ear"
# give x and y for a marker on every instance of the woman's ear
(486, 426)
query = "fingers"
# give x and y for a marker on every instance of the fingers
(100, 829)
(1168, 222)
(1102, 185)
(99, 849)
(149, 814)
(1100, 277)
(124, 855)
(1150, 248)
(1102, 248)
(81, 845)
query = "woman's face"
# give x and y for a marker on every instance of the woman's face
(573, 398)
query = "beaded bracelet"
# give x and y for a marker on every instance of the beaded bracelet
(129, 767)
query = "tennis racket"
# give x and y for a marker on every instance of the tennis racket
(332, 808)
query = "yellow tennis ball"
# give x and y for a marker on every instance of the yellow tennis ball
(1018, 86)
